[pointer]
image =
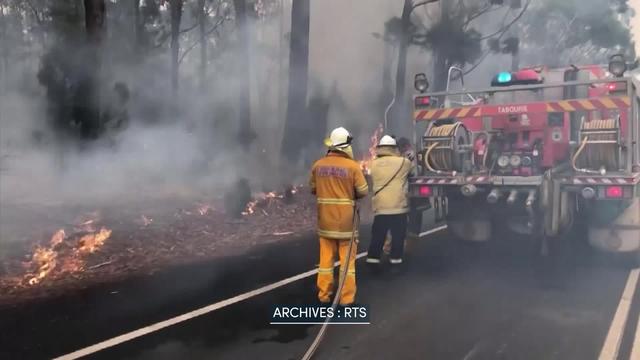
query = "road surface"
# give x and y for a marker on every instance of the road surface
(454, 301)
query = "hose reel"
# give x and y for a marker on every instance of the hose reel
(600, 146)
(447, 147)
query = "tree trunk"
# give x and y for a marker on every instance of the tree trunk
(441, 63)
(88, 93)
(400, 121)
(440, 72)
(4, 45)
(245, 134)
(386, 95)
(176, 18)
(296, 133)
(202, 24)
(94, 18)
(137, 29)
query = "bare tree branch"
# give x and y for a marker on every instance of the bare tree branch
(35, 11)
(476, 15)
(190, 28)
(484, 56)
(195, 43)
(421, 3)
(506, 27)
(501, 33)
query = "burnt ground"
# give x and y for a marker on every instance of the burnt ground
(146, 237)
(455, 301)
(43, 328)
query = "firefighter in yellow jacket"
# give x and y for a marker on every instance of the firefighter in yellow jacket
(389, 173)
(337, 181)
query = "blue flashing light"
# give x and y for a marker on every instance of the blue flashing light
(504, 77)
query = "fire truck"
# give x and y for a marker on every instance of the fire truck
(540, 152)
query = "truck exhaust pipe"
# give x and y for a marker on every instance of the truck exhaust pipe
(468, 190)
(493, 196)
(513, 195)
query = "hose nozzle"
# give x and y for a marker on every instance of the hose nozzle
(512, 197)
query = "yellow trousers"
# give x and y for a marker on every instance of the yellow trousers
(328, 250)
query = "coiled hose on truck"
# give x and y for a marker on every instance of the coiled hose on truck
(598, 148)
(440, 160)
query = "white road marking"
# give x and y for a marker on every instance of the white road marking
(319, 323)
(635, 350)
(202, 311)
(612, 343)
(431, 231)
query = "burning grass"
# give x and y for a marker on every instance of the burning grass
(117, 243)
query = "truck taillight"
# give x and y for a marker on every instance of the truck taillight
(425, 191)
(423, 101)
(617, 88)
(614, 192)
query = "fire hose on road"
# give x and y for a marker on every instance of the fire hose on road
(343, 275)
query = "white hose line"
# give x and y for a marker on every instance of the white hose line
(316, 342)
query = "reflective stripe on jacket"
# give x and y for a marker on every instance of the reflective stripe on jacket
(337, 181)
(393, 198)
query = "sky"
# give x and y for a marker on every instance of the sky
(635, 23)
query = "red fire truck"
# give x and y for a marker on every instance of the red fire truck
(539, 152)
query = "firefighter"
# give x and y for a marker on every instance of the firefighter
(337, 181)
(389, 173)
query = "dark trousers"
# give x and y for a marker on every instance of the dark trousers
(397, 224)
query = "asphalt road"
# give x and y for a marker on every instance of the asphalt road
(454, 301)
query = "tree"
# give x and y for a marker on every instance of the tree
(455, 37)
(87, 104)
(202, 27)
(246, 134)
(583, 32)
(176, 16)
(296, 132)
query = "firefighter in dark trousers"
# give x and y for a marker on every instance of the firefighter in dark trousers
(337, 181)
(389, 175)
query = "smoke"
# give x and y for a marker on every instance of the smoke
(172, 146)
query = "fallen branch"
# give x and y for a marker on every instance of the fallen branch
(100, 265)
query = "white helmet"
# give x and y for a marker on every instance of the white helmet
(387, 141)
(339, 138)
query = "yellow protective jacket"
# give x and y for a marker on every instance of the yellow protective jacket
(337, 181)
(392, 199)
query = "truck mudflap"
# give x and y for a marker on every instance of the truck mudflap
(616, 228)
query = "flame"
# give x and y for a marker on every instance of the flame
(250, 208)
(374, 139)
(46, 259)
(91, 242)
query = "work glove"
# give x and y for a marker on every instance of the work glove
(409, 154)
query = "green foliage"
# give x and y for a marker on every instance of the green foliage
(458, 45)
(581, 31)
